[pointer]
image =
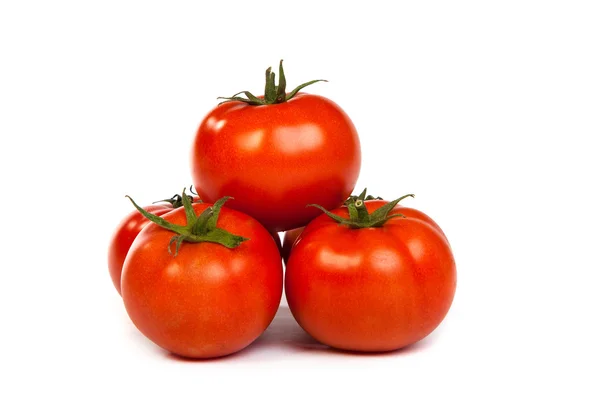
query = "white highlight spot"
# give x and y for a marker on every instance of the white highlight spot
(296, 139)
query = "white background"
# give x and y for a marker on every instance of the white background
(487, 111)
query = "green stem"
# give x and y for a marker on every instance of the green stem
(176, 201)
(274, 94)
(359, 216)
(362, 196)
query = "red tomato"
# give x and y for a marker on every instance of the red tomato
(123, 237)
(371, 289)
(274, 159)
(208, 300)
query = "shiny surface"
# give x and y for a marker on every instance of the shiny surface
(124, 236)
(208, 301)
(372, 289)
(276, 159)
(289, 240)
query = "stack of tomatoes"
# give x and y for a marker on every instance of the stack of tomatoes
(202, 276)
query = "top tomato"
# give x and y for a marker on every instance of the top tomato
(276, 154)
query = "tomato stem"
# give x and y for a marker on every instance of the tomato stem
(176, 201)
(362, 196)
(274, 94)
(359, 216)
(199, 228)
(194, 192)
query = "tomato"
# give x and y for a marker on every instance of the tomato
(128, 230)
(374, 288)
(275, 158)
(203, 299)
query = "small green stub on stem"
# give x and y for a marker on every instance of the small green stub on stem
(274, 93)
(199, 228)
(359, 216)
(176, 201)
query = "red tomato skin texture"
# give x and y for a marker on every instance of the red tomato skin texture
(275, 159)
(372, 289)
(124, 236)
(208, 301)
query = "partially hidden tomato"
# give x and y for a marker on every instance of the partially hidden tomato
(276, 153)
(203, 281)
(362, 278)
(127, 231)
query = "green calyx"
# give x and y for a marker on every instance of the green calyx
(199, 228)
(274, 94)
(359, 215)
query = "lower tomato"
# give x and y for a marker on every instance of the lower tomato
(208, 300)
(371, 288)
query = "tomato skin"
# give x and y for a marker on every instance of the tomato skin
(208, 301)
(371, 289)
(275, 159)
(124, 236)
